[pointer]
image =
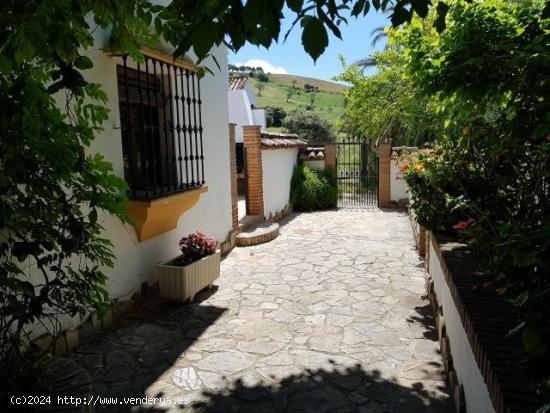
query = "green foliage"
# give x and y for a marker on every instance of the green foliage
(54, 191)
(258, 22)
(274, 116)
(262, 77)
(312, 190)
(310, 88)
(488, 77)
(260, 86)
(308, 125)
(388, 104)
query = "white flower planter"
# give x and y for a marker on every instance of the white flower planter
(182, 283)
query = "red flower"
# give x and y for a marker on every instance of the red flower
(404, 168)
(462, 225)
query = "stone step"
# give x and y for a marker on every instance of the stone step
(248, 221)
(258, 234)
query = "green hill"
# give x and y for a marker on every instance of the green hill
(328, 100)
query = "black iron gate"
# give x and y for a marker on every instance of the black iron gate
(356, 173)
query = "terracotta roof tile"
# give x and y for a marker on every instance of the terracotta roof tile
(237, 82)
(312, 153)
(282, 140)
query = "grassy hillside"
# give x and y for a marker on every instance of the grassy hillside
(329, 100)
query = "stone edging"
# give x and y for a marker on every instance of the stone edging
(69, 339)
(486, 319)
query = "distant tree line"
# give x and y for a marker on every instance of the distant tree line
(311, 88)
(255, 72)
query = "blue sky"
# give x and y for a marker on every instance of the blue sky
(290, 56)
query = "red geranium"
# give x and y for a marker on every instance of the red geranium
(462, 225)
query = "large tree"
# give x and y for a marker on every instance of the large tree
(387, 103)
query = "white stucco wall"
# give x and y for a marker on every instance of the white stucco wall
(249, 90)
(464, 363)
(135, 261)
(277, 165)
(240, 112)
(258, 115)
(316, 164)
(398, 186)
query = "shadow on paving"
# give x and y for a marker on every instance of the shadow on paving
(126, 359)
(318, 391)
(426, 319)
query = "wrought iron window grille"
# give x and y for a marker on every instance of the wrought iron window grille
(161, 127)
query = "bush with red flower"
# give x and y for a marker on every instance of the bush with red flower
(487, 182)
(194, 247)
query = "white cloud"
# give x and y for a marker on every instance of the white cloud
(265, 65)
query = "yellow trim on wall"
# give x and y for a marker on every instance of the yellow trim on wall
(157, 216)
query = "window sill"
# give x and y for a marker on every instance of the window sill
(157, 216)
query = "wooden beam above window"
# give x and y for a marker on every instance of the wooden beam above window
(168, 58)
(160, 56)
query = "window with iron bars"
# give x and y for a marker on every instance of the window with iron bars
(161, 127)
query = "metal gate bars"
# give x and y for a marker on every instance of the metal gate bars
(356, 173)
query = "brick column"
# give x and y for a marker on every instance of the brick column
(233, 168)
(384, 159)
(254, 179)
(330, 157)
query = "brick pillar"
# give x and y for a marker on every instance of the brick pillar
(254, 179)
(330, 157)
(384, 159)
(233, 168)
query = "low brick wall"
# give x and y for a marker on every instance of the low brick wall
(484, 366)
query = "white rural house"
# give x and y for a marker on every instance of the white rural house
(167, 135)
(243, 106)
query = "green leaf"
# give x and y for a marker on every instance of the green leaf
(25, 51)
(158, 24)
(314, 37)
(366, 9)
(421, 7)
(400, 15)
(83, 63)
(358, 7)
(92, 216)
(532, 341)
(204, 38)
(295, 5)
(26, 288)
(376, 4)
(439, 22)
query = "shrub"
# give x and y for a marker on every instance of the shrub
(488, 181)
(262, 77)
(310, 88)
(309, 125)
(194, 247)
(274, 116)
(312, 190)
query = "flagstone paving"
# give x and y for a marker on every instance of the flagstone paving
(328, 317)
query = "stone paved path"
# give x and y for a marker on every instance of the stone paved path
(326, 318)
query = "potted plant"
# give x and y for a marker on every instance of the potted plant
(197, 267)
